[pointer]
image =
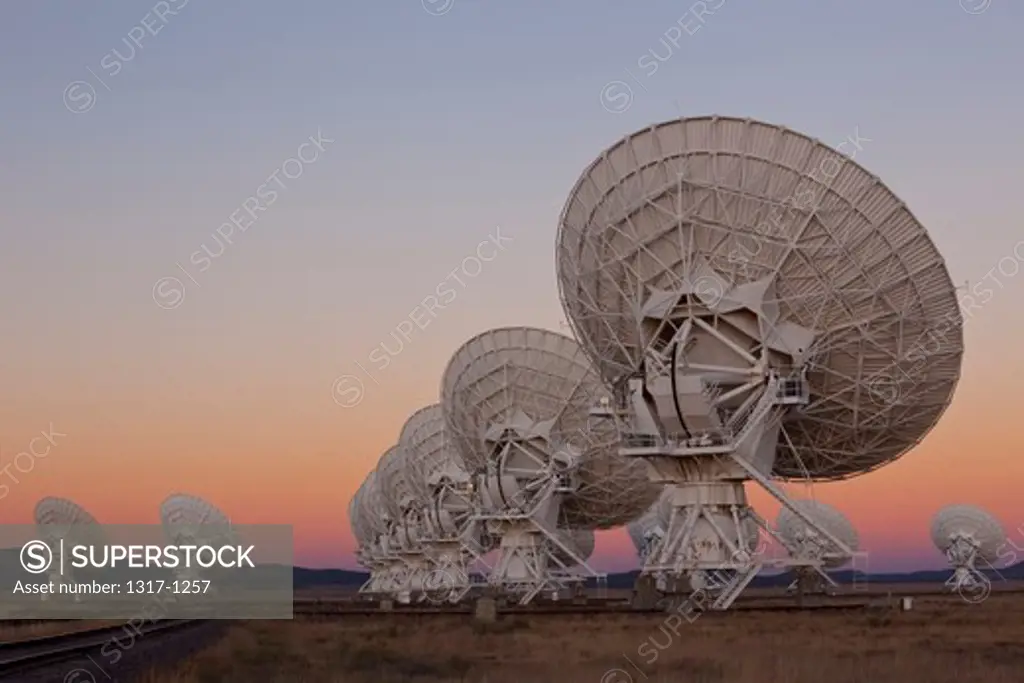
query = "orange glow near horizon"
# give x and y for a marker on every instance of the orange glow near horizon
(301, 467)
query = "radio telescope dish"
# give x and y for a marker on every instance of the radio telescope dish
(968, 521)
(189, 520)
(804, 542)
(394, 483)
(404, 525)
(799, 535)
(747, 291)
(371, 508)
(444, 493)
(370, 529)
(365, 538)
(58, 517)
(355, 523)
(517, 405)
(965, 534)
(61, 520)
(539, 386)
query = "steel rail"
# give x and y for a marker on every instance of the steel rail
(25, 655)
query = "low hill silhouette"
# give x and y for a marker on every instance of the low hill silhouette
(317, 578)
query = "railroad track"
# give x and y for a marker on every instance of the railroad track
(758, 603)
(562, 610)
(20, 657)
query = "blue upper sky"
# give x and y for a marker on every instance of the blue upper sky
(496, 103)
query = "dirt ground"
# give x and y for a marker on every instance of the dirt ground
(942, 640)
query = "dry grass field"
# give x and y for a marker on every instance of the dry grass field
(943, 640)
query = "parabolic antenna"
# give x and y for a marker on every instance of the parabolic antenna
(749, 292)
(355, 523)
(803, 541)
(432, 457)
(59, 517)
(61, 520)
(362, 534)
(190, 520)
(192, 517)
(444, 494)
(405, 524)
(369, 529)
(966, 534)
(397, 496)
(371, 509)
(539, 386)
(968, 521)
(517, 402)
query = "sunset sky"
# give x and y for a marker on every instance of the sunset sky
(434, 131)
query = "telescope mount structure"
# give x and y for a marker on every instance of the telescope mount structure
(804, 542)
(966, 534)
(452, 536)
(516, 403)
(745, 290)
(61, 523)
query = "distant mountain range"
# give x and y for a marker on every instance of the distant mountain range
(343, 578)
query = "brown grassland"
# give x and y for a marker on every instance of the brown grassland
(942, 640)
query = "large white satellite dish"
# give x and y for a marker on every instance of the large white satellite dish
(190, 520)
(803, 541)
(746, 291)
(966, 534)
(516, 401)
(366, 538)
(62, 523)
(445, 496)
(404, 523)
(368, 518)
